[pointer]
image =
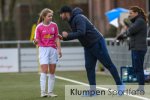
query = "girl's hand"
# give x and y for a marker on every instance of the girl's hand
(60, 37)
(59, 53)
(35, 42)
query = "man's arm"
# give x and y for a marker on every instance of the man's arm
(80, 25)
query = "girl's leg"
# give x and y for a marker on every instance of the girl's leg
(44, 70)
(44, 62)
(51, 77)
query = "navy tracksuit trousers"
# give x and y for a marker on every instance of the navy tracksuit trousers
(137, 63)
(99, 52)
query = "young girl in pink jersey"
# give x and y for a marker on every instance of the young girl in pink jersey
(46, 37)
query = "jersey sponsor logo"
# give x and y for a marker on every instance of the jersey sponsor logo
(48, 36)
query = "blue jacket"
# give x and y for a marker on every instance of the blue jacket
(82, 29)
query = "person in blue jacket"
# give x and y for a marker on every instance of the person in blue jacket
(92, 41)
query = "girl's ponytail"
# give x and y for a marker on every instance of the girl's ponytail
(39, 20)
(43, 14)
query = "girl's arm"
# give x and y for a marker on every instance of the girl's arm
(58, 47)
(36, 36)
(57, 36)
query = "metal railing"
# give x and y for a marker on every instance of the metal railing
(28, 55)
(119, 53)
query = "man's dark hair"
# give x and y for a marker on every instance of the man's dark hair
(65, 8)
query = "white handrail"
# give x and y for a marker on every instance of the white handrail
(27, 41)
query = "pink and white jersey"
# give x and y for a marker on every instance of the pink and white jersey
(46, 35)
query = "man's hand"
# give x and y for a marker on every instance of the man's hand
(65, 34)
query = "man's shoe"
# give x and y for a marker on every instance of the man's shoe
(121, 89)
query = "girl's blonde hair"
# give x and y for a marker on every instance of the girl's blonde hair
(43, 14)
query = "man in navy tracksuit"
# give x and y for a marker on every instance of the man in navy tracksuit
(92, 41)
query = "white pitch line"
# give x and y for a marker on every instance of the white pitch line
(85, 84)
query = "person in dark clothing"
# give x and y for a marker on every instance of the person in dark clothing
(92, 41)
(137, 32)
(148, 30)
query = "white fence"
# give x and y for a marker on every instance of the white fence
(9, 60)
(73, 59)
(26, 59)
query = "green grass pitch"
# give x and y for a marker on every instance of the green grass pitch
(25, 86)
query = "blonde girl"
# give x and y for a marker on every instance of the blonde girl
(46, 37)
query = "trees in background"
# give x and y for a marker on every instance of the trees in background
(18, 16)
(7, 27)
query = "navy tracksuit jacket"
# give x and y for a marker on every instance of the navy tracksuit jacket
(93, 43)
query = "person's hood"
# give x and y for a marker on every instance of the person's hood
(75, 12)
